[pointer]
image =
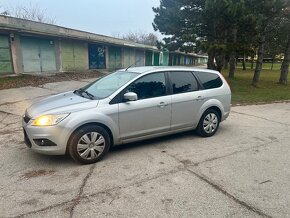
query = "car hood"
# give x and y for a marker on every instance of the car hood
(62, 103)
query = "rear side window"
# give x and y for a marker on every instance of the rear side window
(183, 82)
(209, 80)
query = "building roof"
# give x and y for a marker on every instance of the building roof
(33, 27)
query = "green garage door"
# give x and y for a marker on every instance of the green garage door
(73, 55)
(148, 58)
(164, 58)
(5, 55)
(115, 61)
(38, 55)
(129, 57)
(156, 59)
(181, 60)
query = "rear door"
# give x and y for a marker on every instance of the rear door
(151, 113)
(186, 100)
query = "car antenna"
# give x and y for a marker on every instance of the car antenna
(132, 64)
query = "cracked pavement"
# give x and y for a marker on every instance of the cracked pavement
(243, 171)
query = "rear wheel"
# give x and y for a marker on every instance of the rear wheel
(89, 144)
(209, 123)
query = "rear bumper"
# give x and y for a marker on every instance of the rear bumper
(225, 116)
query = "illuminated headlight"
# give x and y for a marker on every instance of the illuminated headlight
(49, 120)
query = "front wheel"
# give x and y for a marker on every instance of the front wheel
(209, 123)
(89, 144)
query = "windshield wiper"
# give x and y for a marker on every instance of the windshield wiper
(81, 91)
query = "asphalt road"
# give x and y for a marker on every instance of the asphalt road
(243, 171)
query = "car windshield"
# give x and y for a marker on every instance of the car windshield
(107, 85)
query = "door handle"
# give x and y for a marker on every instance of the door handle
(162, 104)
(199, 98)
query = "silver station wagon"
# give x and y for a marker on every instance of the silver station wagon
(128, 105)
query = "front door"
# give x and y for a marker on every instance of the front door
(151, 113)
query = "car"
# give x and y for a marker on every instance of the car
(126, 106)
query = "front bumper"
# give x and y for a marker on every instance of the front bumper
(57, 134)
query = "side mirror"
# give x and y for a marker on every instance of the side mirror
(130, 96)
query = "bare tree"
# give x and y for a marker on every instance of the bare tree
(3, 11)
(139, 37)
(30, 12)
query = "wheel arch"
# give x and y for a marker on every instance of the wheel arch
(217, 109)
(91, 124)
(212, 104)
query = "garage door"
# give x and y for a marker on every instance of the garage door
(140, 58)
(38, 55)
(129, 57)
(156, 59)
(73, 55)
(5, 55)
(165, 59)
(115, 58)
(97, 56)
(148, 58)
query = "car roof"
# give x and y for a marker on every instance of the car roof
(147, 69)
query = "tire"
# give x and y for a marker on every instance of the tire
(208, 123)
(89, 144)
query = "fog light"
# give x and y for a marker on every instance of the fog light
(44, 142)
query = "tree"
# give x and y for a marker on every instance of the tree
(3, 12)
(139, 37)
(223, 28)
(285, 42)
(266, 14)
(30, 12)
(285, 64)
(180, 22)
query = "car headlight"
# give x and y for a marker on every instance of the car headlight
(49, 120)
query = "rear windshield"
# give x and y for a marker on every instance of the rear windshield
(209, 80)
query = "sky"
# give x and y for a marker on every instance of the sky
(106, 17)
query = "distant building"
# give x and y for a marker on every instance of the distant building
(33, 47)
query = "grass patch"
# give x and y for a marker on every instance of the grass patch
(266, 66)
(268, 89)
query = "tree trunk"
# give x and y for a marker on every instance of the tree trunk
(220, 61)
(285, 64)
(232, 65)
(252, 64)
(210, 61)
(272, 65)
(226, 62)
(259, 63)
(244, 62)
(233, 55)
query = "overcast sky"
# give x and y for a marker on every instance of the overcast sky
(107, 17)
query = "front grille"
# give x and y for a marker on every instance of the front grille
(26, 139)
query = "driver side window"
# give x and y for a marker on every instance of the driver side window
(149, 86)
